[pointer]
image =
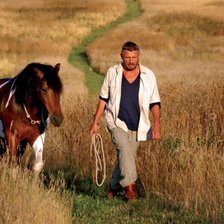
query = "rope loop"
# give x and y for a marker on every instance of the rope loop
(97, 150)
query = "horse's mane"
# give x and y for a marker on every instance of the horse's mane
(26, 82)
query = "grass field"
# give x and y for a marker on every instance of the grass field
(180, 176)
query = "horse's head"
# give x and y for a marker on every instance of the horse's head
(40, 85)
(49, 92)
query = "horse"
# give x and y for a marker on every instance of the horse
(27, 103)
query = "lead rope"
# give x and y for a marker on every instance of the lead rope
(96, 149)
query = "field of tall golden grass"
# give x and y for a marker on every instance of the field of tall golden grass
(45, 31)
(181, 41)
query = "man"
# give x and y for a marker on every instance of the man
(127, 95)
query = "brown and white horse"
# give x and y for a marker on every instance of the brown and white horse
(26, 102)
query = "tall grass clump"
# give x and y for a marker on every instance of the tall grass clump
(184, 49)
(186, 167)
(183, 169)
(68, 148)
(25, 200)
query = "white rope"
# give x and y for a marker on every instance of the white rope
(96, 149)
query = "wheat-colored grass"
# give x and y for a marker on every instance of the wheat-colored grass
(184, 168)
(45, 31)
(170, 32)
(49, 28)
(182, 42)
(25, 201)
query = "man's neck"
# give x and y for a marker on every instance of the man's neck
(131, 75)
(131, 72)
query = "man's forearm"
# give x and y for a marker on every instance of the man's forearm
(156, 114)
(156, 117)
(99, 111)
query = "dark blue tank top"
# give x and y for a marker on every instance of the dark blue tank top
(129, 111)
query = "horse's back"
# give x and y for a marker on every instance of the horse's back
(4, 87)
(4, 80)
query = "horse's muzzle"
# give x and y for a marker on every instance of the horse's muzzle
(57, 120)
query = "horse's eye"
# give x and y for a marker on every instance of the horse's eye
(44, 90)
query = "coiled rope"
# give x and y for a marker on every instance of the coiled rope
(97, 150)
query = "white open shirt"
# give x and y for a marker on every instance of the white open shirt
(148, 94)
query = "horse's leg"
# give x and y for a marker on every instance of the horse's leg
(2, 147)
(12, 139)
(2, 141)
(20, 153)
(38, 147)
(22, 148)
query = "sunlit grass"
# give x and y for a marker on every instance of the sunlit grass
(79, 56)
(25, 200)
(185, 50)
(180, 24)
(49, 28)
(181, 176)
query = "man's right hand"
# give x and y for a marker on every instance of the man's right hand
(94, 129)
(100, 109)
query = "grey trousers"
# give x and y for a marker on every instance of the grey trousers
(126, 145)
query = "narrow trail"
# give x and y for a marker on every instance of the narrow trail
(78, 57)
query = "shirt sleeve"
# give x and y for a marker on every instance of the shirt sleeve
(104, 99)
(155, 97)
(153, 104)
(104, 92)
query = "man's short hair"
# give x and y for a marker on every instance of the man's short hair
(130, 46)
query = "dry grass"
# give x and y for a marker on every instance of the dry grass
(186, 167)
(175, 31)
(182, 42)
(46, 31)
(25, 201)
(31, 30)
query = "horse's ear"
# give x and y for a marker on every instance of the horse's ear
(57, 67)
(38, 73)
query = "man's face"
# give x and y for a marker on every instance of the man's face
(130, 59)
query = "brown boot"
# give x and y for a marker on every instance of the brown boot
(130, 193)
(113, 192)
